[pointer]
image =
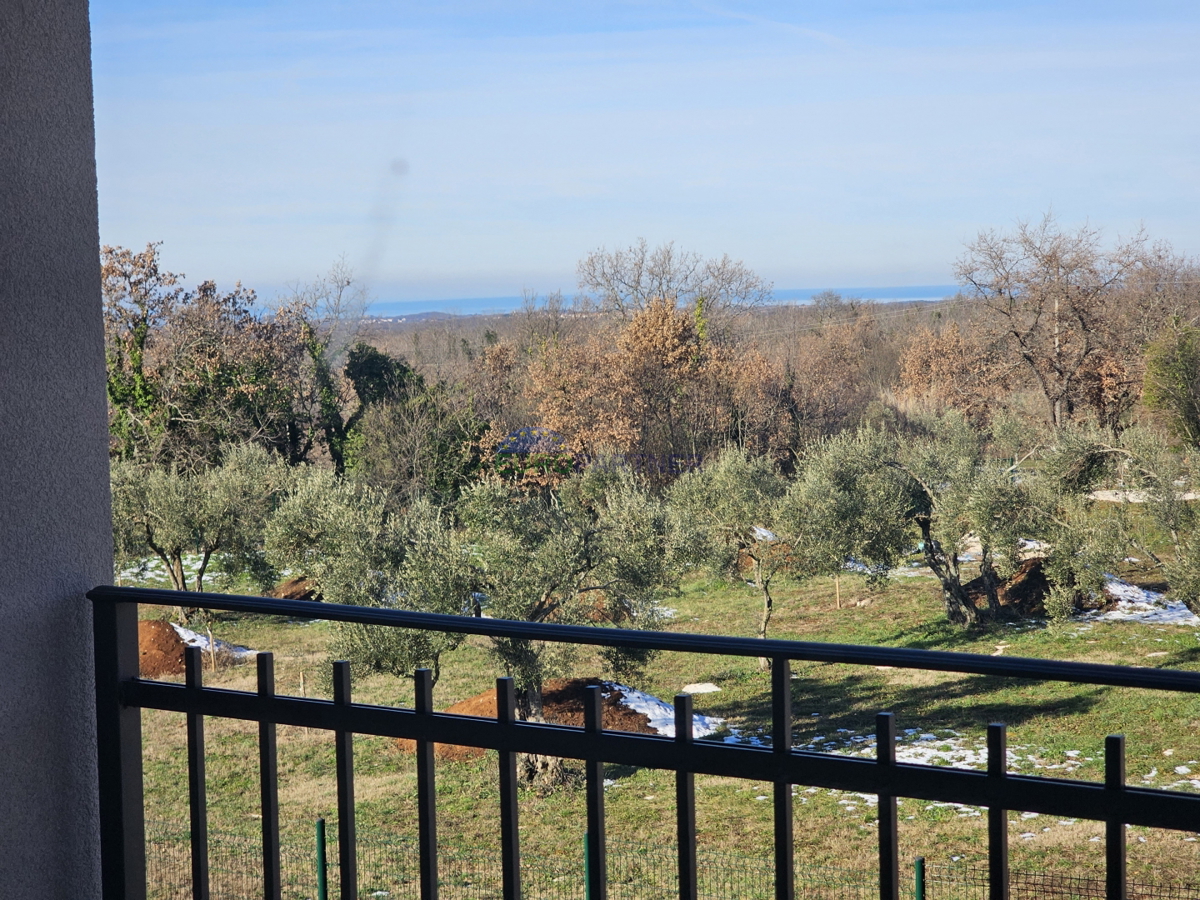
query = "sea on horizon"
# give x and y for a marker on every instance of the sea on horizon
(474, 306)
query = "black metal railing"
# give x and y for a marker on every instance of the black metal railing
(121, 695)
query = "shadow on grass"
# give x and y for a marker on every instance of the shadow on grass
(1189, 656)
(947, 701)
(944, 636)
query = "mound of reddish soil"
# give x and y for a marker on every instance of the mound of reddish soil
(562, 704)
(1024, 593)
(160, 649)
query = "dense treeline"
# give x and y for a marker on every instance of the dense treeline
(571, 461)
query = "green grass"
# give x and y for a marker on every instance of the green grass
(1049, 723)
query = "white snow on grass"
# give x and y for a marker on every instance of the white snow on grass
(1135, 604)
(1134, 496)
(193, 639)
(153, 569)
(660, 713)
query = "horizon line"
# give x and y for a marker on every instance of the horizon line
(502, 305)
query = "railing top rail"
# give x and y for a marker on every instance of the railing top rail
(811, 651)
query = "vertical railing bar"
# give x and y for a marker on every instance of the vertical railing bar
(889, 825)
(685, 802)
(510, 832)
(119, 754)
(193, 667)
(997, 768)
(597, 873)
(268, 776)
(344, 762)
(1114, 843)
(426, 791)
(781, 738)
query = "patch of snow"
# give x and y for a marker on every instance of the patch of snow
(1135, 604)
(703, 687)
(662, 714)
(192, 639)
(762, 534)
(1134, 496)
(737, 737)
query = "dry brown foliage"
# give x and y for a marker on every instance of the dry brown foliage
(955, 369)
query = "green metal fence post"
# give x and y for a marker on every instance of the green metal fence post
(322, 864)
(919, 873)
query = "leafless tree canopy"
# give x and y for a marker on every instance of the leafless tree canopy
(1050, 294)
(625, 281)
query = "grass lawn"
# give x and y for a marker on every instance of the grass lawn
(1054, 729)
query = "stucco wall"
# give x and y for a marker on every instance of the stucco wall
(54, 508)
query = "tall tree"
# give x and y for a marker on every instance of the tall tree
(713, 291)
(1050, 294)
(190, 370)
(658, 393)
(325, 316)
(139, 296)
(425, 444)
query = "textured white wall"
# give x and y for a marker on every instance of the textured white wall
(54, 508)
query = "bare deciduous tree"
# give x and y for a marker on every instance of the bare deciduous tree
(1050, 294)
(714, 290)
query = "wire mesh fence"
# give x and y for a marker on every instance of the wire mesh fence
(388, 870)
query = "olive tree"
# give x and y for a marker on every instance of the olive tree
(844, 505)
(1146, 471)
(356, 551)
(1172, 382)
(846, 508)
(729, 509)
(221, 512)
(964, 499)
(598, 550)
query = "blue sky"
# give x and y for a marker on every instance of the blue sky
(480, 149)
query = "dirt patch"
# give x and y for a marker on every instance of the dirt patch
(295, 589)
(562, 704)
(160, 649)
(1024, 593)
